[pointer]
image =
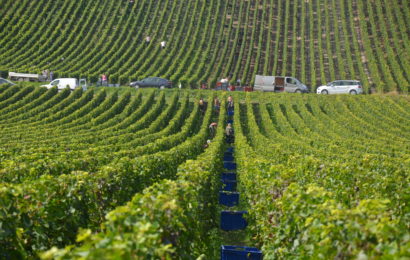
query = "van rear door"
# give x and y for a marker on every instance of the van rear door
(279, 84)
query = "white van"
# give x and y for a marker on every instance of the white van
(279, 84)
(72, 83)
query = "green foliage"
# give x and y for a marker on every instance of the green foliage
(320, 193)
(58, 204)
(208, 40)
(123, 173)
(167, 220)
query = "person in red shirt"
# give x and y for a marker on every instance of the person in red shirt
(103, 79)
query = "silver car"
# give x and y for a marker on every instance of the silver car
(352, 87)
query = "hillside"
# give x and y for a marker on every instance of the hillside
(315, 41)
(126, 173)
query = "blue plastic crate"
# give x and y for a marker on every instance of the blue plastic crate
(230, 139)
(230, 165)
(240, 253)
(230, 112)
(228, 176)
(233, 220)
(228, 185)
(230, 121)
(230, 150)
(228, 157)
(228, 199)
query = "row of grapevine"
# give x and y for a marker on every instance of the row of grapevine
(53, 183)
(124, 173)
(173, 219)
(331, 177)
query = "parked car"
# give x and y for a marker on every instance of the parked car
(352, 87)
(279, 84)
(152, 82)
(72, 83)
(5, 81)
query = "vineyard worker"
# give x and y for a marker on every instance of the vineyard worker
(212, 128)
(208, 142)
(224, 82)
(202, 106)
(229, 133)
(230, 103)
(44, 73)
(103, 79)
(163, 43)
(51, 75)
(147, 40)
(217, 104)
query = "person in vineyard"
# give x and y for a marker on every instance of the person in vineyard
(212, 129)
(147, 40)
(230, 104)
(229, 133)
(163, 43)
(51, 75)
(103, 79)
(217, 105)
(202, 106)
(206, 145)
(224, 82)
(44, 73)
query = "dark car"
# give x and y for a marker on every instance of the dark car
(152, 82)
(5, 81)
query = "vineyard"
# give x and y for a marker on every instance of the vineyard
(124, 174)
(312, 40)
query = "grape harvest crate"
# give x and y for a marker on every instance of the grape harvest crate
(228, 199)
(233, 220)
(228, 176)
(240, 253)
(228, 185)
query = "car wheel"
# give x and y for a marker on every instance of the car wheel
(324, 92)
(298, 91)
(162, 87)
(353, 92)
(137, 86)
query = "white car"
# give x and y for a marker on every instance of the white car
(352, 87)
(72, 83)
